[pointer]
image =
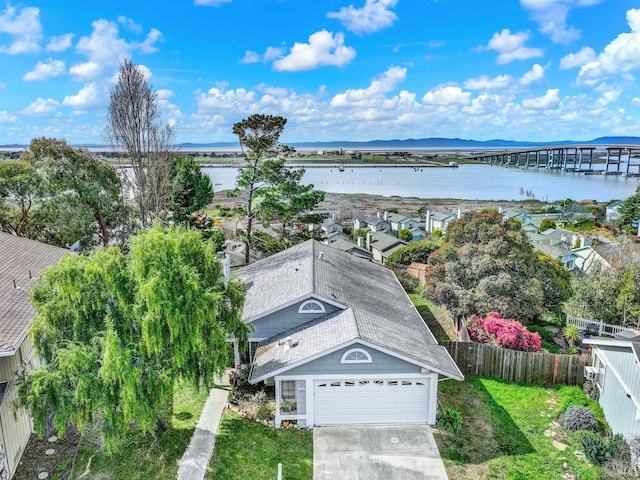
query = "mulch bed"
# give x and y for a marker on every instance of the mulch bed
(59, 464)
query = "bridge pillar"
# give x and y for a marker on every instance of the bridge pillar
(580, 160)
(606, 165)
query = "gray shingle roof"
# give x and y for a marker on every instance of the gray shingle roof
(21, 260)
(378, 310)
(383, 241)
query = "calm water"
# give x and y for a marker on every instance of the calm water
(472, 182)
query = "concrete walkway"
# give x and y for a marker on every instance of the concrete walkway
(359, 452)
(195, 460)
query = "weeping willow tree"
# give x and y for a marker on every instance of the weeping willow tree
(118, 332)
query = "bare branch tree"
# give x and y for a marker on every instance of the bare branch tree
(134, 126)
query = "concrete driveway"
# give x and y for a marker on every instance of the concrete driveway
(389, 452)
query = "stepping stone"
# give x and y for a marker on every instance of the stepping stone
(548, 433)
(52, 439)
(43, 475)
(560, 446)
(554, 424)
(49, 451)
(580, 455)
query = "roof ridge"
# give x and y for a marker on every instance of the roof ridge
(313, 266)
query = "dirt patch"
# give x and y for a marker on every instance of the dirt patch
(38, 457)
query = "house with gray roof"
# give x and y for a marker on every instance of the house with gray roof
(340, 340)
(381, 245)
(21, 261)
(439, 221)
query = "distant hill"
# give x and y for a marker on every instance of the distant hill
(434, 142)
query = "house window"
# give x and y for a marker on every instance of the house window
(288, 390)
(600, 368)
(247, 356)
(311, 306)
(356, 355)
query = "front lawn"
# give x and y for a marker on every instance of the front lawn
(144, 457)
(503, 434)
(248, 450)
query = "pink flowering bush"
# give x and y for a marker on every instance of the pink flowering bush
(503, 332)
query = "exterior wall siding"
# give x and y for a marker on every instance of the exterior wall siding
(14, 431)
(9, 367)
(330, 364)
(284, 320)
(619, 410)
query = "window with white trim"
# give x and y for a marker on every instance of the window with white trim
(311, 306)
(356, 355)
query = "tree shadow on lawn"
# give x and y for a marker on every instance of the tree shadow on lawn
(488, 430)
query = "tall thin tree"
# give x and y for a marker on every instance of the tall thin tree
(134, 126)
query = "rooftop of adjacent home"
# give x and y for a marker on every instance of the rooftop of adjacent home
(21, 261)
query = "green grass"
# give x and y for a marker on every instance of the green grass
(144, 457)
(247, 450)
(503, 431)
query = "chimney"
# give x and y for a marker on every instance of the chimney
(500, 210)
(459, 216)
(378, 214)
(360, 241)
(427, 221)
(574, 240)
(583, 240)
(321, 256)
(369, 236)
(386, 216)
(226, 268)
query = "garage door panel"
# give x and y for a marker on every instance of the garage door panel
(371, 401)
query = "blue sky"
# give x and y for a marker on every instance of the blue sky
(537, 70)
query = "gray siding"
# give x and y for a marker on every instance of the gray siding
(619, 410)
(284, 320)
(330, 364)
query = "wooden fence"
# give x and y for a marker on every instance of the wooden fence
(523, 367)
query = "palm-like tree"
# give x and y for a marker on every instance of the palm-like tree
(572, 334)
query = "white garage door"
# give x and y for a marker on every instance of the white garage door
(371, 401)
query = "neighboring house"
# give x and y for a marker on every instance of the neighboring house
(343, 242)
(521, 215)
(340, 340)
(399, 221)
(375, 223)
(21, 260)
(612, 212)
(381, 245)
(615, 369)
(330, 226)
(439, 221)
(556, 248)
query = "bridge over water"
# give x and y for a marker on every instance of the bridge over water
(612, 159)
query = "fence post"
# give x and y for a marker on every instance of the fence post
(279, 471)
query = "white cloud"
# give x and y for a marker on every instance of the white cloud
(211, 3)
(381, 85)
(608, 95)
(219, 99)
(322, 50)
(105, 49)
(547, 101)
(486, 104)
(272, 53)
(41, 107)
(43, 71)
(551, 16)
(373, 16)
(510, 46)
(24, 27)
(446, 95)
(483, 82)
(60, 43)
(636, 101)
(130, 24)
(536, 74)
(90, 97)
(250, 57)
(578, 59)
(6, 117)
(622, 55)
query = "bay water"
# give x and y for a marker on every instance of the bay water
(469, 182)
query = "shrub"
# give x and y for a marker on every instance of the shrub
(449, 419)
(595, 447)
(546, 224)
(550, 347)
(507, 333)
(265, 412)
(579, 418)
(259, 399)
(545, 333)
(409, 283)
(591, 390)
